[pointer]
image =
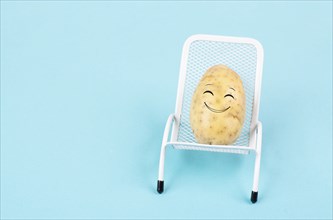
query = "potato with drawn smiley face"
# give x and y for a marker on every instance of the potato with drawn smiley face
(218, 107)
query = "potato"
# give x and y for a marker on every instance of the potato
(218, 107)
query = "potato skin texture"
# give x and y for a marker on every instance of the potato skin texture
(218, 107)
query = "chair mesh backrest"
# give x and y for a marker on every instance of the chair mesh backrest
(203, 54)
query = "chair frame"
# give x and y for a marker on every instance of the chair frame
(255, 138)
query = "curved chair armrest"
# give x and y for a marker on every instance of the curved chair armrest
(171, 118)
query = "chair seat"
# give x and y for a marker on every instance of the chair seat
(213, 148)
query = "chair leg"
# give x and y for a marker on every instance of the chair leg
(160, 181)
(254, 194)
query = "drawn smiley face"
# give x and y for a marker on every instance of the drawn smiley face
(226, 98)
(218, 106)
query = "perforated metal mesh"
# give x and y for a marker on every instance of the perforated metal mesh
(203, 54)
(212, 149)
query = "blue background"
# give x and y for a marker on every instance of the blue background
(86, 88)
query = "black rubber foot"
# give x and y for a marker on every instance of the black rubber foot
(254, 197)
(160, 186)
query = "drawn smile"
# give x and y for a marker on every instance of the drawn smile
(216, 110)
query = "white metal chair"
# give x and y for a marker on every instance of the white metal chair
(245, 57)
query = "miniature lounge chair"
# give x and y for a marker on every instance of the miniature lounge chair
(245, 57)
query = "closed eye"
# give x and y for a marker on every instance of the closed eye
(229, 96)
(207, 91)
